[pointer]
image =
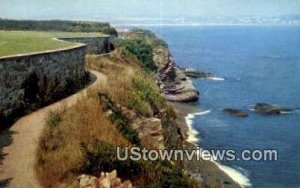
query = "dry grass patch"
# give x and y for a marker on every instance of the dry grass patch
(128, 84)
(83, 138)
(61, 152)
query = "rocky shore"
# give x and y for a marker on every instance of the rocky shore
(202, 170)
(176, 85)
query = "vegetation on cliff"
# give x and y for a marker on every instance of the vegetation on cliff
(83, 139)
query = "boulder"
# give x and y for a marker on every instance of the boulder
(194, 73)
(150, 132)
(236, 112)
(87, 181)
(268, 109)
(106, 180)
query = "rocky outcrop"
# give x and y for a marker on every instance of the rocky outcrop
(236, 112)
(175, 85)
(193, 73)
(106, 180)
(150, 130)
(268, 109)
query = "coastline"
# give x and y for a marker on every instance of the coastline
(180, 91)
(209, 171)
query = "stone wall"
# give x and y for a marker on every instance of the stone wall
(95, 45)
(53, 69)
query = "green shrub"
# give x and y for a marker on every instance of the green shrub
(101, 156)
(141, 50)
(118, 118)
(148, 92)
(53, 119)
(57, 25)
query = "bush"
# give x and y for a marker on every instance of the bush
(57, 25)
(141, 50)
(118, 118)
(53, 118)
(148, 91)
(101, 156)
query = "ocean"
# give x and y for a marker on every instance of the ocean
(258, 64)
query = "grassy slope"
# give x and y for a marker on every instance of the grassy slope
(20, 42)
(83, 138)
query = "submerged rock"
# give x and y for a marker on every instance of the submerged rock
(236, 112)
(194, 73)
(268, 109)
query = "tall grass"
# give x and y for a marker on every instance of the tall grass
(128, 84)
(61, 154)
(83, 138)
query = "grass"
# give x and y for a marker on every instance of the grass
(83, 138)
(21, 42)
(63, 148)
(128, 84)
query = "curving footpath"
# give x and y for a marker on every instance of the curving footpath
(18, 164)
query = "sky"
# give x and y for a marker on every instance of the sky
(117, 9)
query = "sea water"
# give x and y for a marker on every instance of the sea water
(252, 64)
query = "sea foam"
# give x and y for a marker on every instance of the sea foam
(192, 133)
(216, 78)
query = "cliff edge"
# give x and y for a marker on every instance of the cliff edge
(172, 81)
(175, 85)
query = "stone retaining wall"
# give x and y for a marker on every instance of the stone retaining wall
(95, 45)
(52, 68)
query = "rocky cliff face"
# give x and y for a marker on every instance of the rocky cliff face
(175, 85)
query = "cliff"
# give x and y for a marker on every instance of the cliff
(174, 84)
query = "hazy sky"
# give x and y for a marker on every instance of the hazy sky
(114, 9)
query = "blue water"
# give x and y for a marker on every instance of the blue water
(260, 64)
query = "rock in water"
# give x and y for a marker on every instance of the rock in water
(193, 73)
(268, 109)
(236, 112)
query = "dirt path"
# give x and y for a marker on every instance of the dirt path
(18, 164)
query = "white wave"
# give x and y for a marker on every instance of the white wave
(192, 133)
(252, 109)
(202, 113)
(285, 112)
(216, 78)
(234, 174)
